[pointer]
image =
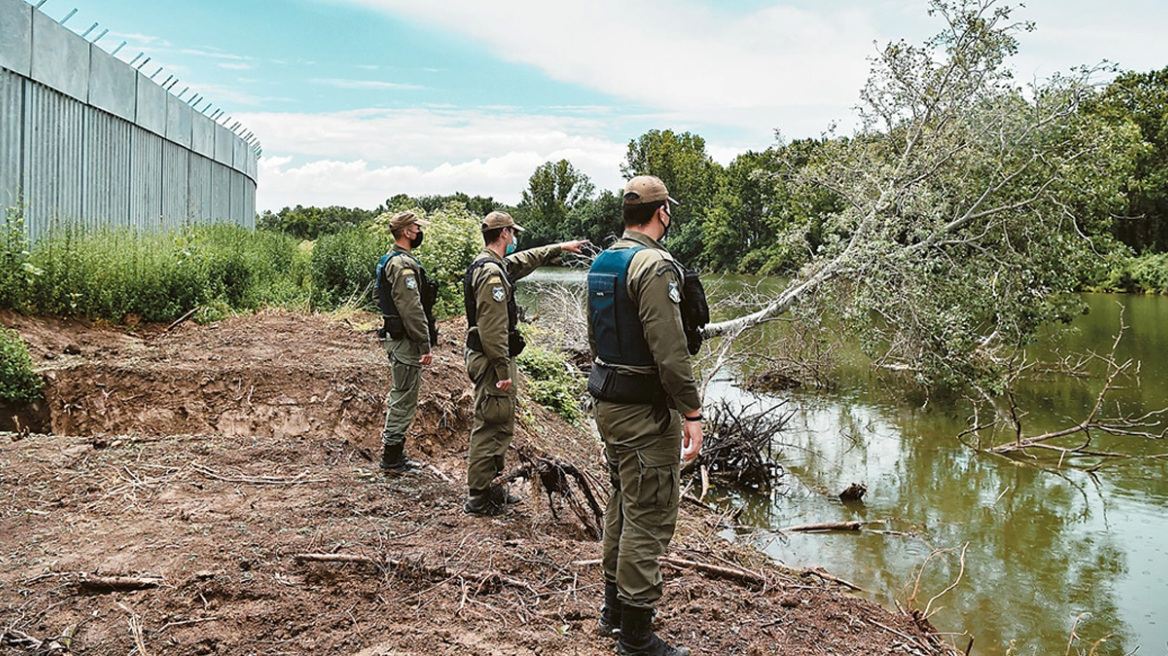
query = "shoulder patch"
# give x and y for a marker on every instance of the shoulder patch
(498, 293)
(674, 292)
(411, 282)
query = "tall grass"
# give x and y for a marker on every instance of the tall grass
(115, 273)
(109, 273)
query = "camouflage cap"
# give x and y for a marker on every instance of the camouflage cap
(498, 219)
(403, 219)
(645, 189)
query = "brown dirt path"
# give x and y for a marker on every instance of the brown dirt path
(205, 458)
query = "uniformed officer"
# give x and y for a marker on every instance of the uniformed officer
(648, 410)
(492, 342)
(409, 327)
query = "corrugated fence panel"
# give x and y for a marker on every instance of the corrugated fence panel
(107, 175)
(200, 187)
(85, 138)
(54, 185)
(145, 179)
(221, 198)
(11, 141)
(176, 166)
(238, 184)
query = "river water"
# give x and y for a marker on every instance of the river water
(1057, 560)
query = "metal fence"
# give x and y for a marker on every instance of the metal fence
(86, 138)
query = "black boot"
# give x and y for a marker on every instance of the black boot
(393, 459)
(609, 625)
(637, 637)
(482, 503)
(501, 496)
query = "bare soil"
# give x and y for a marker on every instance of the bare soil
(201, 462)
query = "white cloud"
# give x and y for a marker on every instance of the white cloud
(748, 70)
(359, 184)
(362, 157)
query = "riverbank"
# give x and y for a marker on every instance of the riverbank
(213, 490)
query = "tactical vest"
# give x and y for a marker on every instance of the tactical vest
(515, 341)
(616, 325)
(391, 319)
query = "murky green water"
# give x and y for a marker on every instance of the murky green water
(1047, 550)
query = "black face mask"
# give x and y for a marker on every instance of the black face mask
(416, 240)
(667, 226)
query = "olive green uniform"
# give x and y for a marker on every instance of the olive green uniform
(494, 409)
(643, 441)
(403, 274)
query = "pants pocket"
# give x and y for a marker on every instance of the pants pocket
(658, 486)
(496, 409)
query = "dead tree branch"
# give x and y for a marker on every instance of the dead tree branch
(483, 579)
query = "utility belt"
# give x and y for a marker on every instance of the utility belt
(515, 343)
(393, 327)
(608, 384)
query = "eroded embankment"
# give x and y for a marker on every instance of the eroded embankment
(202, 465)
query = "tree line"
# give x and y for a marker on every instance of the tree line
(752, 216)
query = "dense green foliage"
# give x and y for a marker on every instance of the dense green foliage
(18, 381)
(552, 382)
(1140, 100)
(112, 273)
(313, 222)
(1142, 274)
(452, 240)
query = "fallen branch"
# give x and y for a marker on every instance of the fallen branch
(183, 318)
(555, 477)
(440, 571)
(834, 579)
(733, 573)
(91, 583)
(299, 479)
(18, 639)
(827, 526)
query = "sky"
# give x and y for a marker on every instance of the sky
(355, 101)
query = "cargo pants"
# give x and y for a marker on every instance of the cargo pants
(494, 421)
(406, 368)
(642, 444)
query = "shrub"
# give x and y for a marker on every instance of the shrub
(553, 382)
(18, 381)
(109, 273)
(453, 238)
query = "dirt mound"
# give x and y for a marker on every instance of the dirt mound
(211, 490)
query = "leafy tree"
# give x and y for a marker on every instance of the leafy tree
(1141, 99)
(680, 160)
(478, 206)
(554, 190)
(452, 241)
(597, 220)
(964, 204)
(312, 222)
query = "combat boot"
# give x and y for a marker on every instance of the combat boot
(501, 496)
(482, 503)
(394, 459)
(609, 625)
(637, 638)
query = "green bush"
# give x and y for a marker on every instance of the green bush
(344, 266)
(18, 381)
(553, 382)
(453, 238)
(109, 273)
(1146, 274)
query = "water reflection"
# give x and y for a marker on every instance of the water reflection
(1048, 551)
